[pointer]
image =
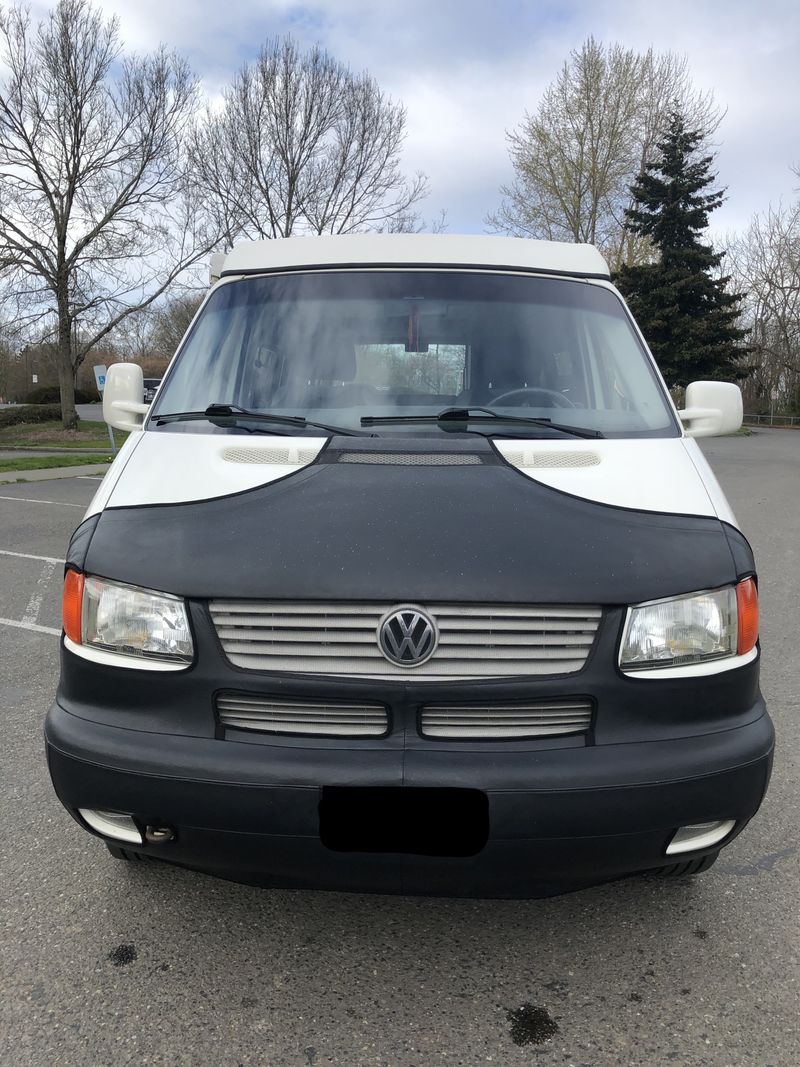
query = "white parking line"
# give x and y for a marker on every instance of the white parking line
(34, 606)
(30, 626)
(30, 500)
(26, 555)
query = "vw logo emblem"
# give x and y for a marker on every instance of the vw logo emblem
(407, 636)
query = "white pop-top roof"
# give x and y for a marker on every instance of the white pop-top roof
(411, 249)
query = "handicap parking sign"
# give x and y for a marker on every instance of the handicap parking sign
(100, 377)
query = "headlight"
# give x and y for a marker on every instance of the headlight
(125, 619)
(691, 629)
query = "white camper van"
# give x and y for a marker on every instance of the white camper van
(412, 579)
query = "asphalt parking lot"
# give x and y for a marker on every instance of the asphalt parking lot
(102, 963)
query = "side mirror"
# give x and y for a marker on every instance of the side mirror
(712, 409)
(123, 406)
(215, 267)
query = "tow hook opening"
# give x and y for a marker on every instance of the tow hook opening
(123, 826)
(158, 835)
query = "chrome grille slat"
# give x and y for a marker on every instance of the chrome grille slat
(326, 713)
(232, 633)
(485, 722)
(304, 705)
(367, 668)
(500, 640)
(260, 608)
(475, 633)
(484, 713)
(475, 641)
(308, 729)
(495, 733)
(269, 715)
(275, 722)
(445, 651)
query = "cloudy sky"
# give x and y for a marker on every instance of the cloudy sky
(467, 71)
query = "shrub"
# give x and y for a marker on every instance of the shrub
(29, 413)
(51, 394)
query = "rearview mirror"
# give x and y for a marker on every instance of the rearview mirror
(123, 406)
(712, 409)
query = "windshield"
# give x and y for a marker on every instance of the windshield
(337, 347)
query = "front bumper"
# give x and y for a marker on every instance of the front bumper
(559, 818)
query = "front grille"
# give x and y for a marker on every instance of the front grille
(247, 711)
(502, 721)
(475, 641)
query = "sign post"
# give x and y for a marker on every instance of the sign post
(100, 381)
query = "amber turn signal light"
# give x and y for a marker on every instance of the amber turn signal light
(747, 608)
(72, 605)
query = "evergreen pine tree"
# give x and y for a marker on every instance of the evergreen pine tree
(686, 314)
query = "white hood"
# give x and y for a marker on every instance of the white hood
(660, 475)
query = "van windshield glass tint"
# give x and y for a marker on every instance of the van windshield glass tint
(335, 346)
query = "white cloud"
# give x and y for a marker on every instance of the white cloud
(468, 70)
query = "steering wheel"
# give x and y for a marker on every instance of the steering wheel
(557, 400)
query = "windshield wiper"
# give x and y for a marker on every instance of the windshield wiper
(233, 411)
(487, 415)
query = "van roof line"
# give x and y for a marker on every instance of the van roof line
(423, 250)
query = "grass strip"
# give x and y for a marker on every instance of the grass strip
(47, 436)
(37, 463)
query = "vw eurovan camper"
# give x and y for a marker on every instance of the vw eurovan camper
(412, 578)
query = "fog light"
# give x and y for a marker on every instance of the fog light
(112, 824)
(699, 835)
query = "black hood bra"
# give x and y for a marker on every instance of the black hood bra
(372, 520)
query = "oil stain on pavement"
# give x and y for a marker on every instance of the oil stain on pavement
(122, 955)
(531, 1025)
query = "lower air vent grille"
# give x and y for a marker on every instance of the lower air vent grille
(504, 721)
(248, 711)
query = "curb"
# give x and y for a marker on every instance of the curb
(44, 450)
(43, 475)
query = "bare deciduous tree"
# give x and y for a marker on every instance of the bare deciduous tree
(764, 263)
(576, 157)
(302, 144)
(170, 322)
(97, 218)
